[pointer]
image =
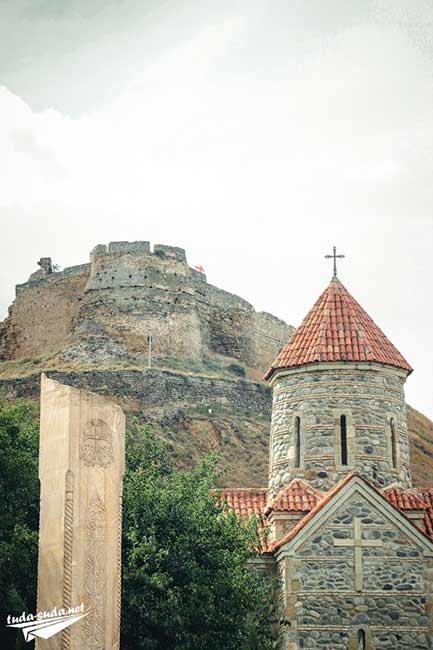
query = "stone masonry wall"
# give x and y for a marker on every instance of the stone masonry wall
(41, 320)
(106, 310)
(368, 397)
(193, 414)
(154, 390)
(322, 608)
(268, 334)
(228, 317)
(132, 293)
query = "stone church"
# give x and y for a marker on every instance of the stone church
(349, 536)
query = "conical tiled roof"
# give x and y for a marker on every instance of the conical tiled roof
(337, 329)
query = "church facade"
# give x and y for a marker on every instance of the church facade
(349, 536)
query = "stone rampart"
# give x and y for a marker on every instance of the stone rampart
(193, 414)
(42, 318)
(107, 309)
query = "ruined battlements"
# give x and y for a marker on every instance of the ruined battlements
(53, 276)
(139, 248)
(106, 309)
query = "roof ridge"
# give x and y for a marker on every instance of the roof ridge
(329, 495)
(326, 498)
(299, 479)
(240, 489)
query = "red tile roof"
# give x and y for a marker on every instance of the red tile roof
(297, 496)
(337, 329)
(320, 504)
(404, 499)
(246, 503)
(427, 495)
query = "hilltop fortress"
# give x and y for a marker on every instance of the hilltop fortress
(106, 310)
(87, 326)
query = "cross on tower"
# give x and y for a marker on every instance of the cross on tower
(334, 255)
(358, 543)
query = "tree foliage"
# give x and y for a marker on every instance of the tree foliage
(185, 583)
(19, 514)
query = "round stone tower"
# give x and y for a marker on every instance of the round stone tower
(338, 400)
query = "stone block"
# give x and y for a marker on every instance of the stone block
(81, 466)
(134, 247)
(99, 249)
(170, 251)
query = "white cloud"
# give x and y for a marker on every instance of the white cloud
(257, 147)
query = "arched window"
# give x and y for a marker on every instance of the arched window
(362, 645)
(393, 443)
(297, 442)
(343, 439)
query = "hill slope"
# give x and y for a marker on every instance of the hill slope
(196, 413)
(421, 446)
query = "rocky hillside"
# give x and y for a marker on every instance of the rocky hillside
(197, 413)
(88, 326)
(421, 446)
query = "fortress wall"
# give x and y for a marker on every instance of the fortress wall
(106, 309)
(139, 268)
(157, 392)
(132, 292)
(230, 322)
(237, 330)
(269, 336)
(41, 318)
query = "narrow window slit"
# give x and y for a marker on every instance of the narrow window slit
(393, 443)
(343, 439)
(297, 442)
(361, 640)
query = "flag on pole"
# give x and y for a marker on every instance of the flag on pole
(199, 268)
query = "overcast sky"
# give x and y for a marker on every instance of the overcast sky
(256, 134)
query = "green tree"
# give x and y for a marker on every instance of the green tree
(19, 515)
(185, 584)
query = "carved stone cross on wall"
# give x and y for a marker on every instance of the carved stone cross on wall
(358, 543)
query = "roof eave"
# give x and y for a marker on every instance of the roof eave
(273, 371)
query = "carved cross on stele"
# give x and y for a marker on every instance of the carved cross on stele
(334, 256)
(96, 435)
(97, 447)
(358, 543)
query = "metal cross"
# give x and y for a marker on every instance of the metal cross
(358, 543)
(334, 255)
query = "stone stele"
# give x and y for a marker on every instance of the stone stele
(81, 467)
